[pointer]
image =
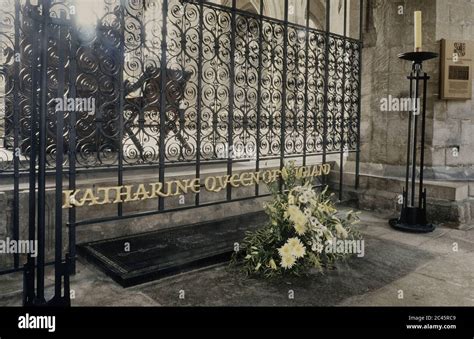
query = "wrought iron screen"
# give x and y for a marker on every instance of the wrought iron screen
(232, 78)
(161, 84)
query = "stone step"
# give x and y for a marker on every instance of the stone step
(448, 203)
(443, 190)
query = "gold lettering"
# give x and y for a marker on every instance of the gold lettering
(299, 172)
(89, 196)
(275, 175)
(246, 179)
(223, 181)
(210, 184)
(326, 169)
(316, 171)
(106, 191)
(123, 196)
(171, 188)
(196, 185)
(255, 177)
(168, 189)
(233, 179)
(302, 172)
(141, 191)
(76, 202)
(117, 197)
(183, 186)
(67, 195)
(128, 194)
(156, 190)
(188, 184)
(266, 179)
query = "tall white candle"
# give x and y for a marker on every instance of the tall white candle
(418, 40)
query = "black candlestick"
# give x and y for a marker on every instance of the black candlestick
(413, 213)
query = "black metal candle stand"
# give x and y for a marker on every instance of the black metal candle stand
(413, 212)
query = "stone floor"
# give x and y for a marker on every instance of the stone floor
(398, 269)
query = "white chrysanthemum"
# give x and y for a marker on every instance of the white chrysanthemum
(287, 261)
(294, 242)
(307, 213)
(285, 250)
(299, 250)
(300, 229)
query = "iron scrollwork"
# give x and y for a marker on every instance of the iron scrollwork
(117, 58)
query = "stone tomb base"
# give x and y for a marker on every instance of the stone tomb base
(148, 256)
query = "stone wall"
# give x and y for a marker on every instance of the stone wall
(388, 33)
(449, 123)
(453, 119)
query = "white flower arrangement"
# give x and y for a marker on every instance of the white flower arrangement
(302, 223)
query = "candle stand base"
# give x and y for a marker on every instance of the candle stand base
(412, 219)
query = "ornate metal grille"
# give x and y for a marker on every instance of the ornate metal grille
(232, 74)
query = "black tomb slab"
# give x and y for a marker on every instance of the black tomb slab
(157, 254)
